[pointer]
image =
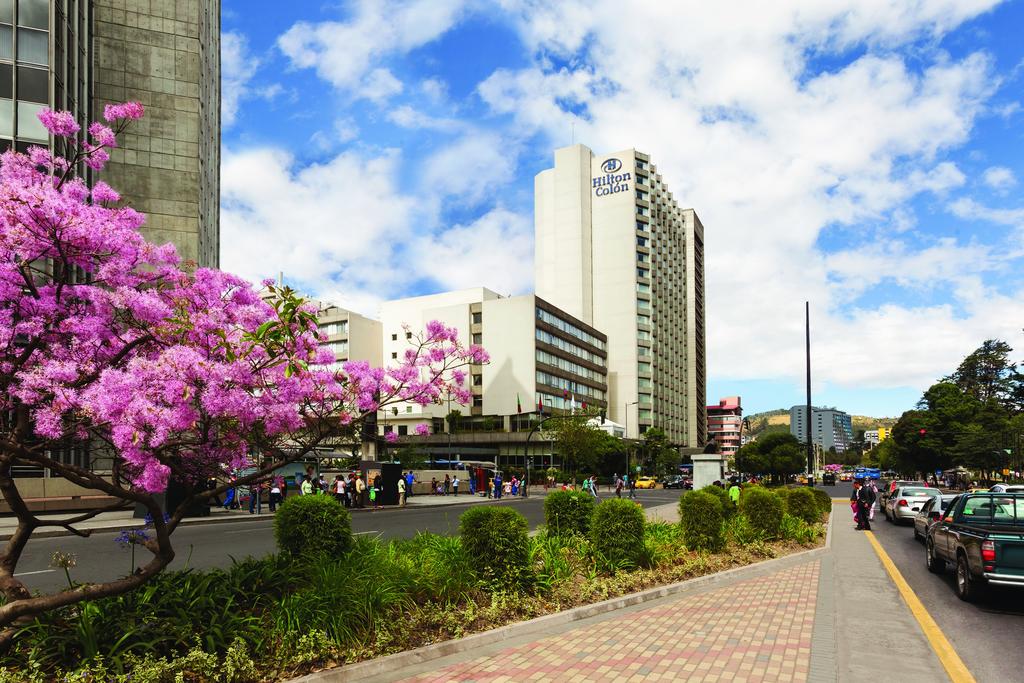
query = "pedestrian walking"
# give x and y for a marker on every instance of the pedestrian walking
(593, 487)
(255, 499)
(864, 500)
(275, 494)
(373, 496)
(618, 486)
(632, 487)
(447, 484)
(409, 479)
(307, 486)
(339, 489)
(401, 491)
(360, 492)
(497, 486)
(734, 494)
(455, 486)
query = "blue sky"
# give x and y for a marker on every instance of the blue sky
(863, 155)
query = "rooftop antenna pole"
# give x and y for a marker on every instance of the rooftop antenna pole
(810, 446)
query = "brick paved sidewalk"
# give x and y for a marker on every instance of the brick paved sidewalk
(754, 630)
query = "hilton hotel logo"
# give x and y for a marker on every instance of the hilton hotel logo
(611, 182)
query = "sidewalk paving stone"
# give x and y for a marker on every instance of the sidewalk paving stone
(754, 630)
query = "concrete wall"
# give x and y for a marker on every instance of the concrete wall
(508, 335)
(165, 54)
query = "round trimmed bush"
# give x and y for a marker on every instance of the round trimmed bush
(701, 519)
(313, 524)
(728, 509)
(617, 531)
(495, 539)
(568, 513)
(802, 503)
(764, 510)
(824, 500)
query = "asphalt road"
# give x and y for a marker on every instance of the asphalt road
(99, 558)
(986, 634)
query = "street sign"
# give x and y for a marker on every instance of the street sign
(638, 468)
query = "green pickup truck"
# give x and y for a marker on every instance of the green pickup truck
(982, 536)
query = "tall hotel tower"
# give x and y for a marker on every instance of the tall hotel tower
(614, 249)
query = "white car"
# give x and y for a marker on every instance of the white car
(905, 502)
(1007, 488)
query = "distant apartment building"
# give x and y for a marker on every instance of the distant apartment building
(614, 250)
(542, 359)
(830, 428)
(873, 437)
(725, 424)
(349, 335)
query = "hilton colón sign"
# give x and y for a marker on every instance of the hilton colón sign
(611, 182)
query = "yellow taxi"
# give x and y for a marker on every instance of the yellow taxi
(645, 483)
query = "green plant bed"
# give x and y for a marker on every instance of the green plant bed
(495, 539)
(824, 500)
(568, 512)
(728, 509)
(801, 503)
(764, 510)
(701, 519)
(309, 525)
(617, 532)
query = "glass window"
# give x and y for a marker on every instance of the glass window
(403, 430)
(643, 367)
(478, 401)
(29, 125)
(394, 337)
(33, 84)
(7, 81)
(478, 338)
(478, 318)
(643, 303)
(643, 287)
(643, 414)
(6, 42)
(641, 272)
(32, 46)
(641, 241)
(478, 380)
(7, 11)
(7, 118)
(34, 13)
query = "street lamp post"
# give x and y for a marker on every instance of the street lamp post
(626, 430)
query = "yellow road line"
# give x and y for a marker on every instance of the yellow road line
(955, 667)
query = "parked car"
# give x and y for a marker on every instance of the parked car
(906, 502)
(931, 513)
(674, 482)
(1007, 488)
(646, 483)
(884, 493)
(982, 535)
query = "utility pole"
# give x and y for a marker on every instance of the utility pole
(810, 446)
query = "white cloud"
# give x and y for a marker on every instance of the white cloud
(772, 154)
(494, 251)
(238, 67)
(968, 208)
(329, 227)
(470, 168)
(408, 117)
(999, 178)
(347, 54)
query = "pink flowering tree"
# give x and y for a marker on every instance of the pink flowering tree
(166, 373)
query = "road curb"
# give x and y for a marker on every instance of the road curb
(396, 662)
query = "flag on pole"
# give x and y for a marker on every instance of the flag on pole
(519, 406)
(540, 405)
(573, 404)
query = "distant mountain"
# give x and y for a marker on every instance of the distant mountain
(778, 421)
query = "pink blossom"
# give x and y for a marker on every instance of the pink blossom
(423, 429)
(125, 110)
(391, 437)
(101, 192)
(59, 123)
(102, 135)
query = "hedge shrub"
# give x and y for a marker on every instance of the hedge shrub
(568, 513)
(617, 531)
(313, 524)
(701, 519)
(764, 510)
(495, 538)
(728, 509)
(802, 503)
(824, 500)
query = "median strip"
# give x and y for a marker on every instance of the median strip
(951, 662)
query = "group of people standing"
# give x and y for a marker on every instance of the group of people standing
(624, 482)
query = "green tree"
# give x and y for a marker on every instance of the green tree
(659, 456)
(775, 455)
(576, 440)
(987, 373)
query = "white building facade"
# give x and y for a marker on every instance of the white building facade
(614, 249)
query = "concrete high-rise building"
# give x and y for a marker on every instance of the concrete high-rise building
(349, 335)
(79, 55)
(830, 428)
(615, 250)
(725, 424)
(541, 358)
(166, 55)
